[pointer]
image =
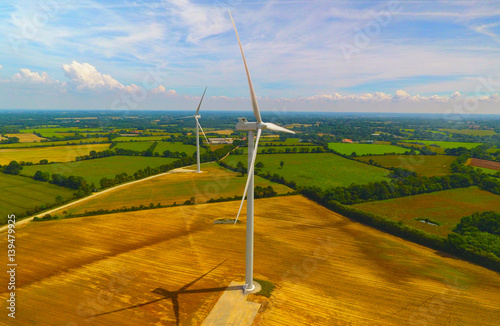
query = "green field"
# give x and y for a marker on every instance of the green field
(135, 146)
(426, 165)
(365, 149)
(214, 182)
(56, 132)
(53, 154)
(288, 141)
(20, 194)
(55, 143)
(445, 207)
(444, 144)
(176, 147)
(323, 170)
(139, 138)
(94, 170)
(278, 149)
(471, 132)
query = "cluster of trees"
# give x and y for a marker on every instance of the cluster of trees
(480, 152)
(12, 168)
(266, 192)
(10, 140)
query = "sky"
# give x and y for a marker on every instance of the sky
(338, 56)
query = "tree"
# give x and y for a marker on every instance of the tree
(44, 161)
(282, 163)
(41, 176)
(259, 166)
(240, 168)
(13, 168)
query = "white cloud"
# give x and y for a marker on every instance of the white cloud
(84, 76)
(158, 90)
(202, 21)
(1, 66)
(401, 95)
(27, 76)
(172, 92)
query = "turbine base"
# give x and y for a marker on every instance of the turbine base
(255, 288)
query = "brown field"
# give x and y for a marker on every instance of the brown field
(53, 154)
(117, 270)
(492, 165)
(214, 182)
(26, 138)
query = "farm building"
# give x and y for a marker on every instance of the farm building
(218, 141)
(347, 141)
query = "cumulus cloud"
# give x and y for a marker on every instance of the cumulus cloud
(1, 66)
(158, 90)
(27, 76)
(399, 96)
(84, 76)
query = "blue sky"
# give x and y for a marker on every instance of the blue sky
(396, 56)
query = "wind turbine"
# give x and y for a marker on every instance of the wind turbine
(251, 127)
(196, 116)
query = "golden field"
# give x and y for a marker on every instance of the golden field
(26, 137)
(214, 182)
(118, 269)
(53, 154)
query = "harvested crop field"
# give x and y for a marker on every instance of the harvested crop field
(129, 269)
(214, 182)
(53, 154)
(26, 138)
(478, 163)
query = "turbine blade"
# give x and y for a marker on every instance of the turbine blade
(250, 172)
(255, 105)
(273, 127)
(199, 105)
(202, 131)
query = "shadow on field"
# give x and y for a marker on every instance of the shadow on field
(166, 294)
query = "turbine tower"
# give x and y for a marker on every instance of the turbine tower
(196, 116)
(251, 127)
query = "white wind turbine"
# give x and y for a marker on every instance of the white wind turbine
(251, 127)
(196, 116)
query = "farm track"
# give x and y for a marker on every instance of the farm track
(27, 220)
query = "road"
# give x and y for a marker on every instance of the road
(25, 221)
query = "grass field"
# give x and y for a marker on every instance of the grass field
(214, 182)
(445, 207)
(176, 147)
(53, 154)
(135, 146)
(139, 138)
(26, 138)
(364, 149)
(117, 270)
(323, 170)
(444, 144)
(471, 132)
(220, 132)
(20, 194)
(288, 141)
(56, 131)
(94, 170)
(425, 165)
(55, 143)
(280, 148)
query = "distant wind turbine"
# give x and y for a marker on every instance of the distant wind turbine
(196, 116)
(251, 127)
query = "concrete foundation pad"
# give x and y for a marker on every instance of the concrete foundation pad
(233, 308)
